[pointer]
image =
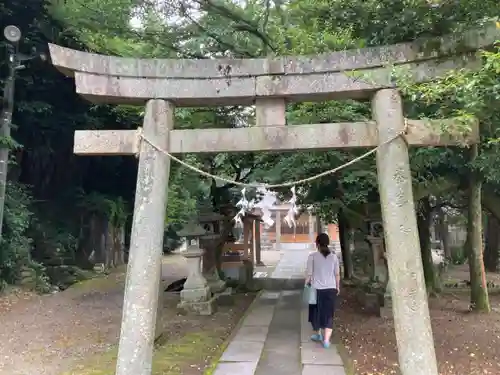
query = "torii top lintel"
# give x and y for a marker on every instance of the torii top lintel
(189, 82)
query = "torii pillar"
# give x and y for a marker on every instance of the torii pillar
(267, 82)
(413, 327)
(142, 291)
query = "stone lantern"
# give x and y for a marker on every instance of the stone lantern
(380, 271)
(211, 223)
(196, 296)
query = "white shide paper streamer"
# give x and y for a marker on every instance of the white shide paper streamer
(267, 202)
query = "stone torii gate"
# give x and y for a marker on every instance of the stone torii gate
(267, 83)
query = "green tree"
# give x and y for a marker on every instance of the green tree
(257, 28)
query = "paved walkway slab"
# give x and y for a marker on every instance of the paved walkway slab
(322, 370)
(281, 354)
(273, 339)
(292, 264)
(236, 368)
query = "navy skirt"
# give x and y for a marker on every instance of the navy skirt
(321, 314)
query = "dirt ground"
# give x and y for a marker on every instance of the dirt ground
(466, 343)
(75, 332)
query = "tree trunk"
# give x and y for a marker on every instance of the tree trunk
(444, 235)
(491, 253)
(93, 249)
(344, 245)
(123, 246)
(479, 290)
(424, 234)
(118, 245)
(109, 247)
(491, 202)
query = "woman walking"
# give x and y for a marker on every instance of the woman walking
(323, 275)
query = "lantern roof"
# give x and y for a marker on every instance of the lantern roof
(192, 229)
(207, 217)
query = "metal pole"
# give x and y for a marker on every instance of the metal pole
(12, 34)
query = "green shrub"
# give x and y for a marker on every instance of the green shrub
(458, 255)
(15, 245)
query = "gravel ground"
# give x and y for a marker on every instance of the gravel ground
(466, 343)
(46, 335)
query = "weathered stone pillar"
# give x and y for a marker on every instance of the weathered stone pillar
(270, 112)
(379, 271)
(135, 350)
(159, 309)
(278, 230)
(410, 306)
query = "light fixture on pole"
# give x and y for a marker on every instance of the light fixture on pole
(12, 33)
(13, 36)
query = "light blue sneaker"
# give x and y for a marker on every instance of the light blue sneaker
(326, 344)
(317, 337)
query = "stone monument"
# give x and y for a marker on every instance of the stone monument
(380, 270)
(196, 296)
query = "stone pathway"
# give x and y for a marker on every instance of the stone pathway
(270, 258)
(274, 340)
(286, 269)
(292, 264)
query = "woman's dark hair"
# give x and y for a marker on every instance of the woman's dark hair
(322, 241)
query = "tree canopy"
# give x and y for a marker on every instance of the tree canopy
(45, 173)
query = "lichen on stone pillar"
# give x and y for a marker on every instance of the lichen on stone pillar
(142, 288)
(409, 298)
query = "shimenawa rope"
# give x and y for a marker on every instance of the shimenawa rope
(273, 186)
